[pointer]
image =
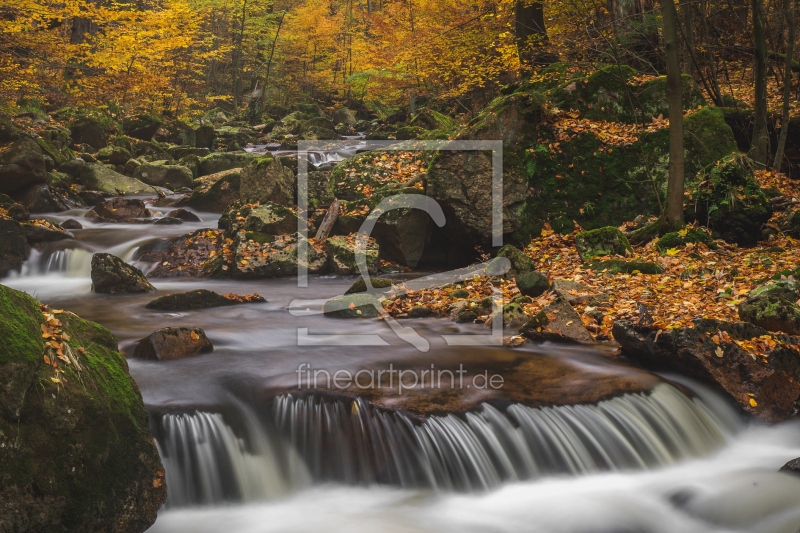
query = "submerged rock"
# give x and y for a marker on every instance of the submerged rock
(112, 275)
(378, 285)
(767, 385)
(77, 454)
(557, 322)
(173, 343)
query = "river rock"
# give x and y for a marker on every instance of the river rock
(219, 161)
(19, 212)
(571, 291)
(14, 247)
(791, 467)
(352, 306)
(161, 174)
(77, 455)
(342, 251)
(141, 126)
(266, 180)
(40, 198)
(98, 177)
(172, 201)
(269, 218)
(112, 275)
(38, 231)
(88, 130)
(786, 289)
(378, 284)
(173, 343)
(187, 301)
(772, 313)
(21, 166)
(183, 214)
(602, 242)
(259, 255)
(71, 224)
(557, 322)
(512, 315)
(122, 209)
(767, 385)
(217, 194)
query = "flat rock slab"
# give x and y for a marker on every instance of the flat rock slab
(558, 322)
(173, 343)
(199, 299)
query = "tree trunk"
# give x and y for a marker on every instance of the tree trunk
(688, 34)
(788, 13)
(531, 33)
(675, 183)
(759, 147)
(237, 61)
(712, 60)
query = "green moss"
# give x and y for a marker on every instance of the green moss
(693, 235)
(618, 266)
(260, 238)
(459, 294)
(19, 328)
(600, 242)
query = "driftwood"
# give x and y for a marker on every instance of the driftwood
(327, 223)
(780, 203)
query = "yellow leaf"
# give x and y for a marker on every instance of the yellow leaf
(753, 402)
(194, 336)
(673, 251)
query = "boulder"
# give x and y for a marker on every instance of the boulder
(352, 306)
(197, 254)
(709, 201)
(219, 161)
(602, 242)
(318, 122)
(432, 120)
(71, 224)
(268, 218)
(72, 167)
(461, 182)
(38, 231)
(172, 201)
(192, 162)
(88, 130)
(378, 285)
(59, 157)
(266, 180)
(767, 385)
(78, 454)
(557, 322)
(98, 177)
(40, 198)
(141, 126)
(532, 284)
(571, 291)
(215, 195)
(771, 312)
(204, 136)
(259, 255)
(344, 116)
(791, 467)
(163, 175)
(189, 301)
(320, 189)
(112, 275)
(14, 246)
(173, 343)
(520, 262)
(121, 209)
(684, 237)
(183, 214)
(21, 166)
(342, 251)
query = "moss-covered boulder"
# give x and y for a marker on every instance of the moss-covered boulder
(342, 251)
(142, 126)
(512, 315)
(112, 275)
(76, 452)
(216, 193)
(684, 237)
(728, 199)
(162, 174)
(259, 255)
(532, 284)
(772, 313)
(90, 130)
(266, 180)
(432, 120)
(619, 266)
(378, 285)
(219, 161)
(512, 119)
(786, 289)
(98, 177)
(268, 218)
(58, 156)
(520, 261)
(352, 306)
(22, 165)
(602, 242)
(344, 116)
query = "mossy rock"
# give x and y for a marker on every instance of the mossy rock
(187, 301)
(532, 284)
(459, 294)
(520, 261)
(432, 120)
(772, 313)
(217, 162)
(377, 285)
(342, 251)
(602, 242)
(786, 289)
(512, 315)
(76, 452)
(360, 305)
(216, 195)
(684, 237)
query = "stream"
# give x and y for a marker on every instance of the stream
(244, 451)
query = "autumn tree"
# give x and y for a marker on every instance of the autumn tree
(675, 184)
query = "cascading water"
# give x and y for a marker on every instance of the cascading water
(355, 444)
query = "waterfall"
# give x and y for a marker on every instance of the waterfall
(206, 462)
(351, 443)
(310, 438)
